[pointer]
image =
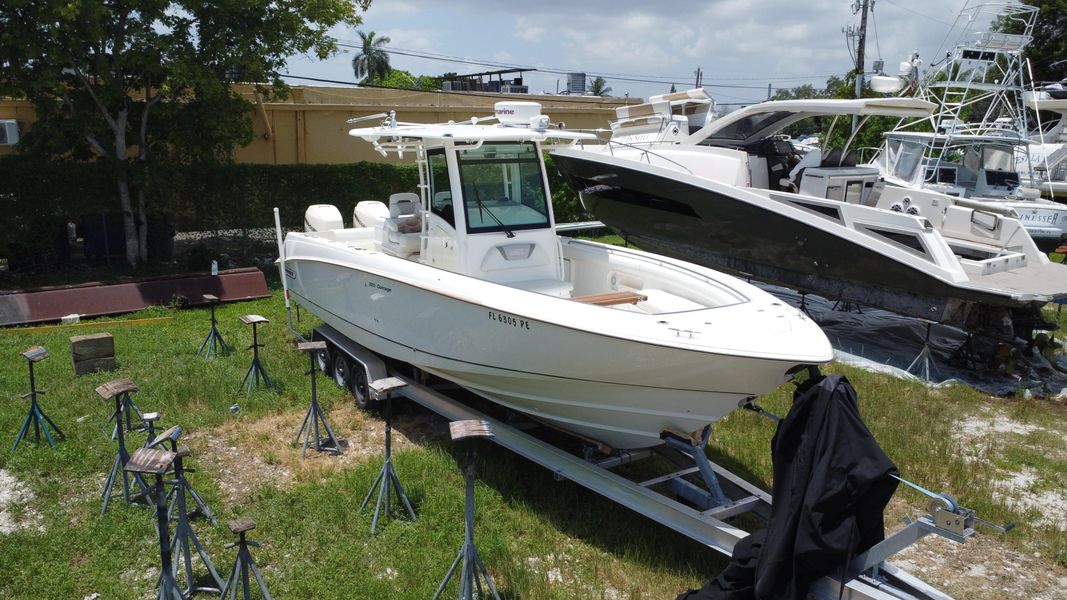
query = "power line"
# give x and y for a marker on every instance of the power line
(562, 99)
(915, 12)
(656, 79)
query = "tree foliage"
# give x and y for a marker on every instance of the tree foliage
(398, 78)
(599, 87)
(372, 61)
(139, 84)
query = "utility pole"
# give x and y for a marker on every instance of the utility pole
(860, 6)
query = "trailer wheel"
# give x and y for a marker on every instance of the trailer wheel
(322, 356)
(342, 372)
(360, 390)
(323, 359)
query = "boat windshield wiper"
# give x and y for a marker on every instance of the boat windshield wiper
(481, 206)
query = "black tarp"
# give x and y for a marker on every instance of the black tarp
(831, 484)
(877, 339)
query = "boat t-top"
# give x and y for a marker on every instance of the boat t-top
(728, 193)
(978, 147)
(466, 278)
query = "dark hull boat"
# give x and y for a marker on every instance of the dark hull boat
(834, 230)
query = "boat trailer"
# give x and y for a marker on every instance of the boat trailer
(702, 494)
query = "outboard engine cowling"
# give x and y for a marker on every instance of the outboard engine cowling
(322, 217)
(369, 213)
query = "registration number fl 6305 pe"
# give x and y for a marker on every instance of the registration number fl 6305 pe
(503, 319)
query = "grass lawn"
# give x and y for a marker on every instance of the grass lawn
(540, 538)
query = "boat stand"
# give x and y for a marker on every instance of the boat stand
(847, 307)
(924, 364)
(213, 344)
(256, 370)
(966, 356)
(180, 486)
(315, 416)
(119, 390)
(149, 429)
(387, 483)
(185, 539)
(150, 461)
(239, 575)
(36, 416)
(473, 570)
(128, 409)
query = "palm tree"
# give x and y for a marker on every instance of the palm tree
(599, 87)
(372, 62)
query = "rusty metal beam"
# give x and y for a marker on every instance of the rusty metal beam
(97, 299)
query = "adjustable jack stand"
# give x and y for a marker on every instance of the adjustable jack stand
(256, 370)
(213, 343)
(119, 390)
(149, 461)
(315, 414)
(803, 307)
(847, 307)
(473, 570)
(923, 365)
(181, 483)
(149, 428)
(239, 574)
(36, 415)
(183, 532)
(387, 477)
(129, 409)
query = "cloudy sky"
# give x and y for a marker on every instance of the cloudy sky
(741, 45)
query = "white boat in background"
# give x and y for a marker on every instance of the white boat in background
(732, 196)
(1048, 151)
(468, 280)
(980, 126)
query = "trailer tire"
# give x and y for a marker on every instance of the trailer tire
(342, 370)
(361, 391)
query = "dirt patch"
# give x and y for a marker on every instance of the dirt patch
(247, 454)
(984, 568)
(16, 506)
(1021, 491)
(982, 436)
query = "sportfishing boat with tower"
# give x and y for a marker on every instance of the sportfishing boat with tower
(978, 148)
(468, 280)
(1048, 149)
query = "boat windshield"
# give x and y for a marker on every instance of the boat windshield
(503, 187)
(902, 158)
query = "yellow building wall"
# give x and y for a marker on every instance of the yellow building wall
(20, 110)
(310, 125)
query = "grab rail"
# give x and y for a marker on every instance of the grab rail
(646, 152)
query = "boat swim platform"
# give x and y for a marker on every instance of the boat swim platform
(98, 299)
(878, 580)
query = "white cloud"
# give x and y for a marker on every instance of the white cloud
(736, 42)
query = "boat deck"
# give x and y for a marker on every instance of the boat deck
(1039, 282)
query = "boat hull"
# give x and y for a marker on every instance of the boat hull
(614, 390)
(665, 215)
